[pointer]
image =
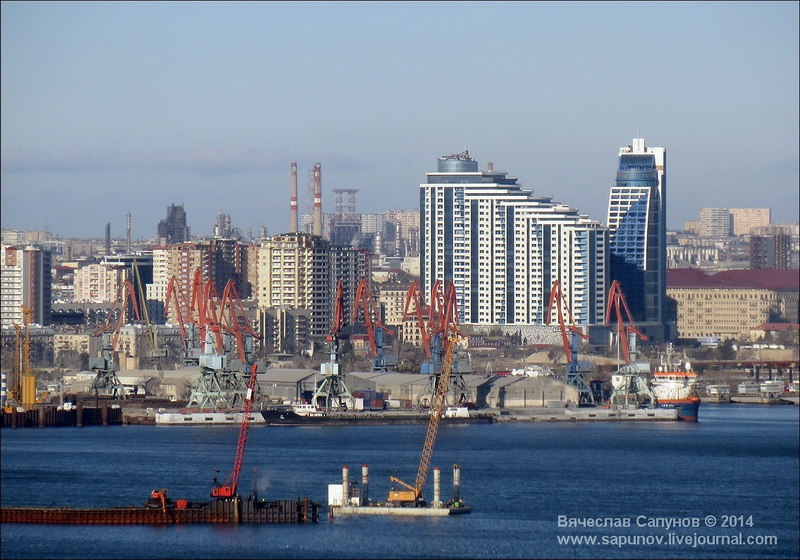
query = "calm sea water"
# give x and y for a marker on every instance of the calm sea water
(738, 461)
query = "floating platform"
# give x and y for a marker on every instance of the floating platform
(399, 511)
(232, 510)
(204, 418)
(641, 414)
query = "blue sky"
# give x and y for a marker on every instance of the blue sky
(110, 108)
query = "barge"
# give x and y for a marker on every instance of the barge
(288, 416)
(160, 510)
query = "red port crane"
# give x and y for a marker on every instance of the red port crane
(448, 328)
(126, 297)
(375, 327)
(228, 489)
(415, 304)
(573, 374)
(557, 299)
(616, 302)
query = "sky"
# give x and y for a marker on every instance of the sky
(128, 107)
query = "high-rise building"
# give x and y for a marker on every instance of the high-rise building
(25, 282)
(503, 248)
(173, 229)
(301, 271)
(715, 222)
(637, 212)
(770, 248)
(745, 219)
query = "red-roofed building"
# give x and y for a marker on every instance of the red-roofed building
(732, 303)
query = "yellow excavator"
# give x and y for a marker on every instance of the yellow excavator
(412, 495)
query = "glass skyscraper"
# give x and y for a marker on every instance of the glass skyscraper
(637, 213)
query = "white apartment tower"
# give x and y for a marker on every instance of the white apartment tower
(503, 247)
(26, 284)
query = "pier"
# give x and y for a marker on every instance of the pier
(44, 416)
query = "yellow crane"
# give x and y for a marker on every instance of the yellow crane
(28, 378)
(412, 495)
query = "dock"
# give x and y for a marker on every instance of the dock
(44, 416)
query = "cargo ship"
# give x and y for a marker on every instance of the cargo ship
(161, 510)
(674, 386)
(309, 415)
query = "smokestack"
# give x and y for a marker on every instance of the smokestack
(128, 248)
(490, 167)
(317, 200)
(293, 228)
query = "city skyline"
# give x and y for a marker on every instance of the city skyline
(111, 108)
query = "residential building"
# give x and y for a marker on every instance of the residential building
(771, 248)
(503, 247)
(730, 304)
(301, 271)
(745, 219)
(25, 283)
(715, 222)
(637, 212)
(97, 283)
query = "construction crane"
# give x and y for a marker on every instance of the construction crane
(23, 389)
(570, 335)
(412, 495)
(628, 387)
(332, 390)
(118, 313)
(375, 328)
(154, 351)
(106, 380)
(228, 488)
(176, 297)
(442, 321)
(234, 321)
(626, 332)
(415, 304)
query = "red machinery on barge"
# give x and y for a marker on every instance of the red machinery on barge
(226, 505)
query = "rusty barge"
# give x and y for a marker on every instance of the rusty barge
(226, 504)
(158, 511)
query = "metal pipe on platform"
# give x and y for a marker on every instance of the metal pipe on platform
(345, 485)
(456, 483)
(437, 487)
(364, 485)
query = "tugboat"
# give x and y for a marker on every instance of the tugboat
(674, 386)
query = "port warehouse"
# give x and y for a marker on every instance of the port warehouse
(401, 390)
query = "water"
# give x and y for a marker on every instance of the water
(739, 460)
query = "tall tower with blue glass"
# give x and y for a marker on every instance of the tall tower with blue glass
(637, 212)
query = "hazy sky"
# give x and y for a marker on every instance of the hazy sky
(110, 108)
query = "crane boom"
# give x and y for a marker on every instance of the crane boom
(228, 489)
(414, 493)
(617, 303)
